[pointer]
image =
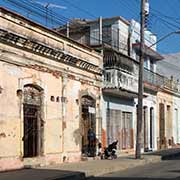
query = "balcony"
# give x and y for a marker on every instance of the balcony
(120, 83)
(153, 78)
(158, 80)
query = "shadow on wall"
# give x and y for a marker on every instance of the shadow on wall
(77, 136)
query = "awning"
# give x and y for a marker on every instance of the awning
(148, 51)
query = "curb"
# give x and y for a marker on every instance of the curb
(170, 156)
(114, 168)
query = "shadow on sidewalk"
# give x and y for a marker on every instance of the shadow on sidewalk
(41, 174)
(167, 154)
(132, 178)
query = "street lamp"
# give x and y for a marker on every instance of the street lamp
(141, 86)
(164, 37)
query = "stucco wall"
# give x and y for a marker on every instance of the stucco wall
(176, 119)
(167, 100)
(150, 102)
(62, 137)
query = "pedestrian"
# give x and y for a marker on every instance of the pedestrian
(91, 142)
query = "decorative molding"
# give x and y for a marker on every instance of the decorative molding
(45, 50)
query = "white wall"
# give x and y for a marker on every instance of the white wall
(150, 101)
(176, 122)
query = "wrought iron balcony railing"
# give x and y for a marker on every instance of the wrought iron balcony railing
(117, 79)
(160, 81)
(153, 78)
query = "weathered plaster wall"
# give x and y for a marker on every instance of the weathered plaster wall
(176, 119)
(166, 99)
(62, 138)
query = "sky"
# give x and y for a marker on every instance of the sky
(164, 15)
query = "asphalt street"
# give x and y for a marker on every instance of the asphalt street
(165, 170)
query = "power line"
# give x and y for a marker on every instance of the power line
(131, 10)
(42, 13)
(83, 10)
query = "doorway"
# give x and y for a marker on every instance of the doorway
(127, 136)
(162, 142)
(120, 127)
(145, 127)
(151, 126)
(88, 122)
(33, 124)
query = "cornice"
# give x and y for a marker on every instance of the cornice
(49, 52)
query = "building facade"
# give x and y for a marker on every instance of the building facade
(152, 82)
(169, 67)
(119, 41)
(50, 89)
(110, 36)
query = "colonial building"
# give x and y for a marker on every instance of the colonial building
(50, 89)
(152, 83)
(169, 101)
(119, 42)
(120, 87)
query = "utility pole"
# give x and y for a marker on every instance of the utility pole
(67, 29)
(100, 30)
(140, 85)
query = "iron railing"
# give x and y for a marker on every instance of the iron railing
(153, 78)
(113, 80)
(160, 81)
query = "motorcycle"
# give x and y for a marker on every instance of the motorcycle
(110, 151)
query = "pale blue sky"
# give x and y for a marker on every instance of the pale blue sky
(164, 14)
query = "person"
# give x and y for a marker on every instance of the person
(99, 153)
(110, 151)
(91, 142)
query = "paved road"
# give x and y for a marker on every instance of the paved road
(165, 170)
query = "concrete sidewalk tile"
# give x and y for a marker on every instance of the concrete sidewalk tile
(100, 167)
(82, 170)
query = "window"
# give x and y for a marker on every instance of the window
(107, 76)
(146, 63)
(106, 34)
(151, 65)
(94, 34)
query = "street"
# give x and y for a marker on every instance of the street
(168, 169)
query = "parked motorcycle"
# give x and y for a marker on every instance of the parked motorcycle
(110, 151)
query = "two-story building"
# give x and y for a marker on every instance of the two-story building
(110, 36)
(152, 83)
(119, 42)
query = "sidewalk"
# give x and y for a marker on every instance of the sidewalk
(100, 167)
(80, 170)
